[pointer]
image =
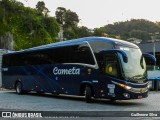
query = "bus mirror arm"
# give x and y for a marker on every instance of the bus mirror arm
(150, 59)
(124, 55)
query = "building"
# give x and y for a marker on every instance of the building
(149, 48)
(134, 40)
(2, 51)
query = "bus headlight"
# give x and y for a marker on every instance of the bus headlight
(125, 86)
(128, 87)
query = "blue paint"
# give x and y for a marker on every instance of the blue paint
(56, 78)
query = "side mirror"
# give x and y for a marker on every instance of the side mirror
(150, 59)
(124, 55)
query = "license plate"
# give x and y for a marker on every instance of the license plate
(139, 97)
(111, 85)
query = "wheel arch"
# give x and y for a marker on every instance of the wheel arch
(17, 82)
(83, 86)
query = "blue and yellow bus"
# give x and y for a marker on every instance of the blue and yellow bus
(95, 67)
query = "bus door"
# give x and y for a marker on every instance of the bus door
(112, 71)
(111, 66)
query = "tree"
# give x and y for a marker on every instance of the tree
(100, 32)
(40, 7)
(52, 27)
(139, 28)
(143, 35)
(28, 27)
(66, 18)
(69, 21)
(9, 12)
(60, 15)
(84, 32)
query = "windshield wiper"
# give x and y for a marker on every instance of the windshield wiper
(136, 77)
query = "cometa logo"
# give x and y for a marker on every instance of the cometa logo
(72, 71)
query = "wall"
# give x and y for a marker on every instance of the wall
(2, 51)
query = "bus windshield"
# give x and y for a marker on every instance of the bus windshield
(135, 68)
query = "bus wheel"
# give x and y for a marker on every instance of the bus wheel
(88, 94)
(19, 88)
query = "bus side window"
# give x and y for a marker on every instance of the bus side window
(60, 55)
(7, 61)
(81, 54)
(85, 55)
(36, 58)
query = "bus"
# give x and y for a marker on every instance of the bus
(93, 67)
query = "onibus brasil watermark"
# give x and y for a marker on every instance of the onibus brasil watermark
(21, 115)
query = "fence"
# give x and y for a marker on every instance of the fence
(154, 78)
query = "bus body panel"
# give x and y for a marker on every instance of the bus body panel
(42, 79)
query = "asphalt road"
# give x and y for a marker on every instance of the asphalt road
(62, 104)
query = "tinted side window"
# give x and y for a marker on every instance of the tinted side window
(98, 46)
(11, 60)
(36, 58)
(5, 61)
(81, 54)
(27, 58)
(61, 55)
(68, 54)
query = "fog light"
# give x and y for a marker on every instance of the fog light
(101, 91)
(149, 86)
(126, 95)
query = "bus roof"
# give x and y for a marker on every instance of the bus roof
(78, 41)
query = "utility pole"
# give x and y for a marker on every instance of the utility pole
(153, 37)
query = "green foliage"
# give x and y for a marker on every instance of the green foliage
(60, 15)
(33, 27)
(99, 31)
(66, 18)
(51, 26)
(139, 34)
(28, 26)
(137, 28)
(41, 9)
(40, 6)
(84, 32)
(69, 21)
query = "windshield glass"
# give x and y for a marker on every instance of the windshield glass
(135, 68)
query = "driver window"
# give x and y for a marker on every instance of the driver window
(111, 65)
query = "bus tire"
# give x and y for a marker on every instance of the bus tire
(88, 94)
(19, 89)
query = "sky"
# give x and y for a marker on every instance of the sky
(97, 13)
